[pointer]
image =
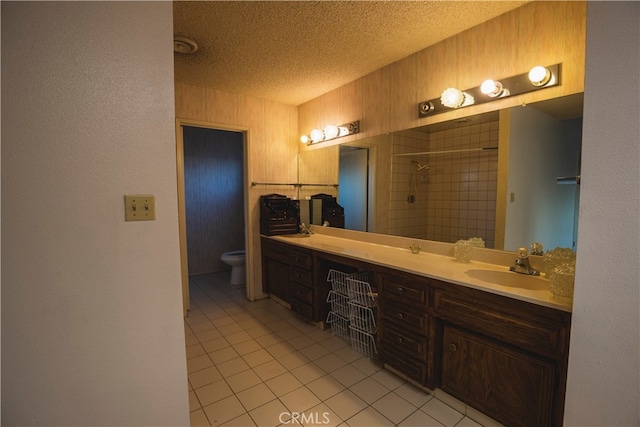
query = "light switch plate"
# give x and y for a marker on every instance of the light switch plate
(139, 207)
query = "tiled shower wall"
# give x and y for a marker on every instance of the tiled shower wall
(456, 195)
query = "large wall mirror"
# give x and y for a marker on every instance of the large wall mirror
(510, 177)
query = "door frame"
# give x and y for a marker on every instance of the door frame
(182, 219)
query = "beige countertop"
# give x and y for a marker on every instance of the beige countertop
(395, 253)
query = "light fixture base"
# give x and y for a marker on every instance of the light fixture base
(514, 85)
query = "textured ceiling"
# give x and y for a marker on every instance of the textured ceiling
(294, 51)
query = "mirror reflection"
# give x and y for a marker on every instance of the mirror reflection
(494, 176)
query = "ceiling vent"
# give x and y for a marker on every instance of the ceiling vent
(184, 45)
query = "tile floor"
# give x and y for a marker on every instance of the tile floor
(259, 364)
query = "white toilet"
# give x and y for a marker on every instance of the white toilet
(236, 260)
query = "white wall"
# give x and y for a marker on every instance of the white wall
(92, 330)
(604, 362)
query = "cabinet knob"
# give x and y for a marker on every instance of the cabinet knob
(400, 315)
(400, 290)
(452, 347)
(400, 340)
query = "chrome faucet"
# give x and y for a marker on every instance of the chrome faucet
(522, 265)
(304, 229)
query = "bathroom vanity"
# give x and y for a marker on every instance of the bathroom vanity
(501, 348)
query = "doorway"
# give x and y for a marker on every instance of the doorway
(212, 199)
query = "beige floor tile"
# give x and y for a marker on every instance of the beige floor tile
(322, 415)
(220, 356)
(198, 363)
(255, 396)
(232, 367)
(194, 403)
(213, 392)
(334, 343)
(369, 390)
(300, 341)
(412, 394)
(442, 412)
(283, 384)
(269, 370)
(293, 360)
(238, 337)
(368, 366)
(348, 355)
(314, 351)
(348, 375)
(224, 410)
(288, 333)
(280, 349)
(330, 362)
(204, 376)
(202, 326)
(257, 358)
(243, 420)
(208, 335)
(258, 331)
(325, 387)
(419, 419)
(243, 380)
(369, 417)
(387, 379)
(468, 422)
(215, 344)
(299, 400)
(307, 373)
(394, 407)
(195, 351)
(247, 346)
(271, 414)
(198, 418)
(268, 339)
(346, 404)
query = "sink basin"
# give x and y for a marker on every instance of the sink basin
(510, 279)
(296, 236)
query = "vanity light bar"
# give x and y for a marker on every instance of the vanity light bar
(538, 78)
(331, 132)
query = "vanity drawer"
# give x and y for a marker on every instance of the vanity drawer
(414, 369)
(301, 259)
(302, 293)
(518, 323)
(406, 317)
(408, 343)
(405, 291)
(303, 277)
(302, 308)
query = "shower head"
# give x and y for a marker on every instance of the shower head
(420, 166)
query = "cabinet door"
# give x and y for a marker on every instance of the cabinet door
(277, 279)
(512, 387)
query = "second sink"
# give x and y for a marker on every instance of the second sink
(510, 279)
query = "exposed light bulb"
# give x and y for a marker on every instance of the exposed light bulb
(539, 75)
(331, 131)
(491, 88)
(316, 135)
(304, 139)
(455, 98)
(343, 131)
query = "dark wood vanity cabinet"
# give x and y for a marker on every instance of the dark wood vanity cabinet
(406, 335)
(505, 357)
(291, 274)
(275, 275)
